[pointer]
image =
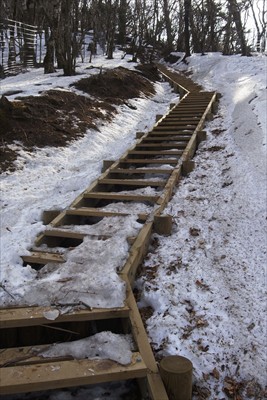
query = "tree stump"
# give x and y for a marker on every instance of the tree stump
(176, 373)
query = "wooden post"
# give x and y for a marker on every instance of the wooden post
(106, 165)
(163, 224)
(176, 373)
(201, 136)
(214, 107)
(187, 167)
(49, 215)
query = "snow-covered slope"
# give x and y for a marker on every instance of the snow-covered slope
(209, 291)
(210, 275)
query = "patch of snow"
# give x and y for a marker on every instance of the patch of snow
(103, 345)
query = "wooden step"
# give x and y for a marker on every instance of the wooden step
(72, 235)
(172, 161)
(64, 238)
(178, 120)
(156, 153)
(185, 133)
(175, 126)
(39, 257)
(171, 138)
(63, 374)
(32, 316)
(141, 171)
(94, 212)
(121, 197)
(169, 128)
(161, 146)
(132, 182)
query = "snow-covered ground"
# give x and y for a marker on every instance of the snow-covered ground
(52, 178)
(209, 287)
(209, 276)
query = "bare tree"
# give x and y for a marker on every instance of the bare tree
(187, 12)
(259, 14)
(234, 10)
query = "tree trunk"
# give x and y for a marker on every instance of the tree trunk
(187, 10)
(49, 57)
(234, 9)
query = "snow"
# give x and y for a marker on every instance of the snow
(52, 178)
(209, 290)
(103, 345)
(207, 282)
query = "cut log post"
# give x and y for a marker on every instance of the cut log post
(106, 165)
(176, 373)
(49, 215)
(163, 224)
(187, 167)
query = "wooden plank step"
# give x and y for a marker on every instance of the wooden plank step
(72, 235)
(32, 316)
(173, 119)
(189, 106)
(175, 113)
(186, 134)
(120, 197)
(92, 212)
(168, 128)
(43, 258)
(172, 138)
(172, 161)
(156, 153)
(142, 171)
(132, 182)
(55, 375)
(161, 145)
(176, 125)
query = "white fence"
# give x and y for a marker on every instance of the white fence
(20, 46)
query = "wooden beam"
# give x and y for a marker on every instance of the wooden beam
(161, 146)
(149, 161)
(132, 182)
(120, 197)
(155, 385)
(142, 171)
(156, 153)
(43, 258)
(32, 316)
(62, 374)
(92, 212)
(170, 138)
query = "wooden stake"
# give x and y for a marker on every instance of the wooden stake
(188, 166)
(163, 224)
(49, 215)
(176, 373)
(106, 165)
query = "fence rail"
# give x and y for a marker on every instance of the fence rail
(19, 45)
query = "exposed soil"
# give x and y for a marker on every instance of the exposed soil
(57, 117)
